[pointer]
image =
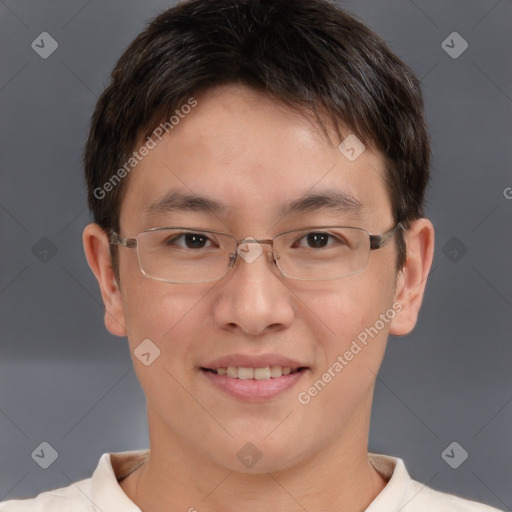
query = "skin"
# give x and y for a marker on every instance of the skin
(252, 153)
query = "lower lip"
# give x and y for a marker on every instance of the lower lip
(252, 389)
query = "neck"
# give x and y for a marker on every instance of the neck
(337, 477)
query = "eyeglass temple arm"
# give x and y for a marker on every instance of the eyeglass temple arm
(114, 239)
(378, 241)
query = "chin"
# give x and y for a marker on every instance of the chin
(254, 459)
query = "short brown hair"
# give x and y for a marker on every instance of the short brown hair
(309, 54)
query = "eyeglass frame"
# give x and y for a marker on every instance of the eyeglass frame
(377, 241)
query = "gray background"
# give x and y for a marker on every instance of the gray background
(65, 380)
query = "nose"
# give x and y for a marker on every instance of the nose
(253, 297)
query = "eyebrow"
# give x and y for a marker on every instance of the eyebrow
(333, 200)
(179, 201)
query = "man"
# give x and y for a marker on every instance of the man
(256, 171)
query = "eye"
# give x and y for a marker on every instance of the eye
(190, 241)
(317, 240)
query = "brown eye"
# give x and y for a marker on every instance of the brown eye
(317, 240)
(188, 240)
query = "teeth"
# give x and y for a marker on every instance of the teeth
(245, 373)
(262, 373)
(232, 372)
(276, 371)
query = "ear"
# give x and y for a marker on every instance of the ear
(97, 251)
(412, 279)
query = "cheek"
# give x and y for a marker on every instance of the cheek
(348, 322)
(165, 313)
(353, 346)
(342, 311)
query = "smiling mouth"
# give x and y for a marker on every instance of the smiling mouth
(248, 373)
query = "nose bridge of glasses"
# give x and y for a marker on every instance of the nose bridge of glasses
(250, 253)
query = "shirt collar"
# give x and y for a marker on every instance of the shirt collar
(394, 495)
(108, 496)
(106, 493)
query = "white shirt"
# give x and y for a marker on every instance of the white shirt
(401, 493)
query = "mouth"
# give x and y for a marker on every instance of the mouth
(250, 373)
(253, 384)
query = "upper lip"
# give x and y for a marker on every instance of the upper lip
(253, 361)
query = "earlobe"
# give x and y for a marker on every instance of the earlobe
(412, 278)
(97, 251)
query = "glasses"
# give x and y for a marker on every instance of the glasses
(189, 255)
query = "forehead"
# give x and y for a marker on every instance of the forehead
(244, 158)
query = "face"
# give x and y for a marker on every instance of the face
(254, 157)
